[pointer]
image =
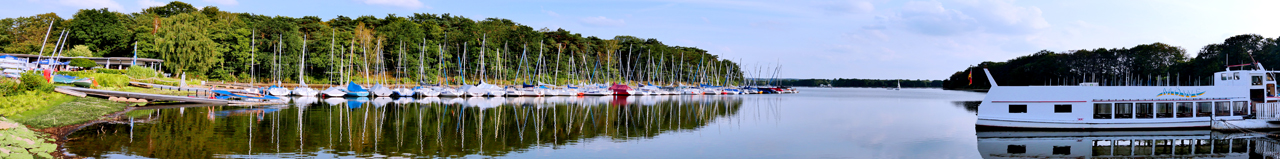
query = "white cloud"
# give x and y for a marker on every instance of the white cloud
(987, 16)
(847, 7)
(149, 3)
(409, 4)
(551, 13)
(93, 4)
(601, 21)
(223, 2)
(932, 18)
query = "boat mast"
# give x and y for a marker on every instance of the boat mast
(302, 62)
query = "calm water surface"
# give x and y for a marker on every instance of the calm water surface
(817, 123)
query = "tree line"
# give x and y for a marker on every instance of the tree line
(1154, 64)
(206, 43)
(853, 82)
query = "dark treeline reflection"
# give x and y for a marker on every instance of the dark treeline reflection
(402, 128)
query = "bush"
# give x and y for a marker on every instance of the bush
(110, 71)
(86, 63)
(9, 86)
(33, 81)
(103, 79)
(140, 72)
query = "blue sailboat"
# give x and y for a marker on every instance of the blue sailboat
(356, 90)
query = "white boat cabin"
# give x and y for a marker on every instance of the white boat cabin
(1090, 106)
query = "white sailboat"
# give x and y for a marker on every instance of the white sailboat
(334, 91)
(400, 90)
(461, 90)
(276, 90)
(488, 89)
(424, 91)
(302, 89)
(380, 90)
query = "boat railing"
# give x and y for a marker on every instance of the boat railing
(1267, 111)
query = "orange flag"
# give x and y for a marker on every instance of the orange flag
(970, 77)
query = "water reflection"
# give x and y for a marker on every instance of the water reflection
(1120, 144)
(382, 127)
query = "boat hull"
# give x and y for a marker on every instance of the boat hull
(1015, 124)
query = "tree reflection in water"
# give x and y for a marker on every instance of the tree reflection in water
(431, 127)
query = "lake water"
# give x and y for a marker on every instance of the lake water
(816, 123)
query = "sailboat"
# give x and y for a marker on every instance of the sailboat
(400, 90)
(458, 92)
(333, 91)
(302, 89)
(378, 89)
(486, 88)
(276, 90)
(353, 89)
(424, 91)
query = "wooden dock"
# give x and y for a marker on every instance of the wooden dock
(148, 97)
(158, 97)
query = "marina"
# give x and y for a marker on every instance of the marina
(859, 79)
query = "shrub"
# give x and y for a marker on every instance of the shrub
(110, 71)
(103, 79)
(86, 63)
(140, 72)
(9, 86)
(35, 82)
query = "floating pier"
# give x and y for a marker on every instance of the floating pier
(158, 97)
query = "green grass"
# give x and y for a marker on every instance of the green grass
(74, 112)
(29, 100)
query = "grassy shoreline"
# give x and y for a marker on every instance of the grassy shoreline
(32, 109)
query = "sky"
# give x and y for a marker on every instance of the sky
(868, 39)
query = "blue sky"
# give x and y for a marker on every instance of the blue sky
(915, 39)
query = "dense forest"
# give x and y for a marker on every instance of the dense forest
(842, 82)
(1147, 64)
(206, 43)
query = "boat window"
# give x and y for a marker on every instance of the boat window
(1204, 109)
(1101, 147)
(1204, 146)
(1017, 149)
(1184, 110)
(1124, 111)
(1102, 110)
(1239, 145)
(1020, 108)
(1163, 146)
(1143, 110)
(1257, 80)
(1062, 150)
(1235, 76)
(1164, 110)
(1269, 78)
(1182, 147)
(1143, 147)
(1223, 76)
(1062, 108)
(1240, 108)
(1123, 148)
(1221, 108)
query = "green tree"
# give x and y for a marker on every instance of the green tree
(173, 8)
(86, 63)
(101, 30)
(185, 45)
(78, 51)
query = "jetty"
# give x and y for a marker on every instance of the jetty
(145, 97)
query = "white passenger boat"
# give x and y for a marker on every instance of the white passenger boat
(1089, 106)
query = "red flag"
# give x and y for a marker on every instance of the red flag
(970, 77)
